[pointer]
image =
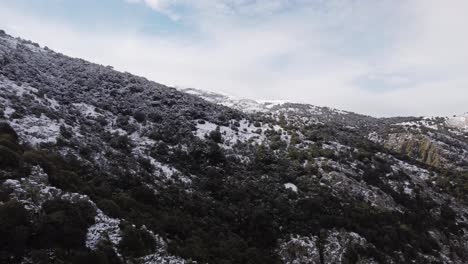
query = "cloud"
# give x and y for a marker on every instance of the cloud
(219, 7)
(381, 58)
(162, 6)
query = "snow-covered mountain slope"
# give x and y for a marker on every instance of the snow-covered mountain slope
(263, 106)
(246, 105)
(399, 134)
(99, 166)
(460, 122)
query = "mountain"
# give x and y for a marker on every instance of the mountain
(100, 166)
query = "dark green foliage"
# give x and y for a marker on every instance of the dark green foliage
(68, 180)
(136, 242)
(36, 157)
(64, 224)
(216, 136)
(8, 130)
(9, 159)
(110, 208)
(139, 116)
(121, 143)
(95, 257)
(14, 230)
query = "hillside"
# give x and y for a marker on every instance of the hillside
(100, 166)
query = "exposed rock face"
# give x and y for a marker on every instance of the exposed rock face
(98, 166)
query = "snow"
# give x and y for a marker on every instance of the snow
(160, 254)
(460, 122)
(36, 183)
(157, 258)
(104, 228)
(374, 137)
(10, 42)
(11, 86)
(167, 170)
(425, 122)
(299, 250)
(336, 147)
(337, 244)
(8, 111)
(290, 186)
(53, 103)
(34, 48)
(36, 130)
(408, 190)
(305, 249)
(247, 132)
(245, 105)
(87, 110)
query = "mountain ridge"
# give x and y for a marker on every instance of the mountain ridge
(100, 166)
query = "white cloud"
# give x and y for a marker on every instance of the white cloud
(314, 54)
(219, 7)
(162, 6)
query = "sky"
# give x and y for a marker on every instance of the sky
(376, 57)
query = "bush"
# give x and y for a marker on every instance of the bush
(64, 224)
(10, 142)
(110, 208)
(139, 116)
(94, 257)
(136, 242)
(35, 157)
(14, 230)
(7, 129)
(66, 180)
(9, 159)
(216, 136)
(122, 143)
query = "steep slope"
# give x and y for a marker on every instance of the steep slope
(99, 166)
(436, 141)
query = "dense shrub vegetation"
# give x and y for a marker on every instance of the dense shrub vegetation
(130, 147)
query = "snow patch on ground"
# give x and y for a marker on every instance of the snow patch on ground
(300, 250)
(87, 110)
(11, 42)
(36, 183)
(36, 130)
(104, 228)
(290, 186)
(245, 105)
(165, 169)
(418, 124)
(460, 122)
(337, 243)
(53, 103)
(8, 111)
(247, 132)
(19, 90)
(375, 137)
